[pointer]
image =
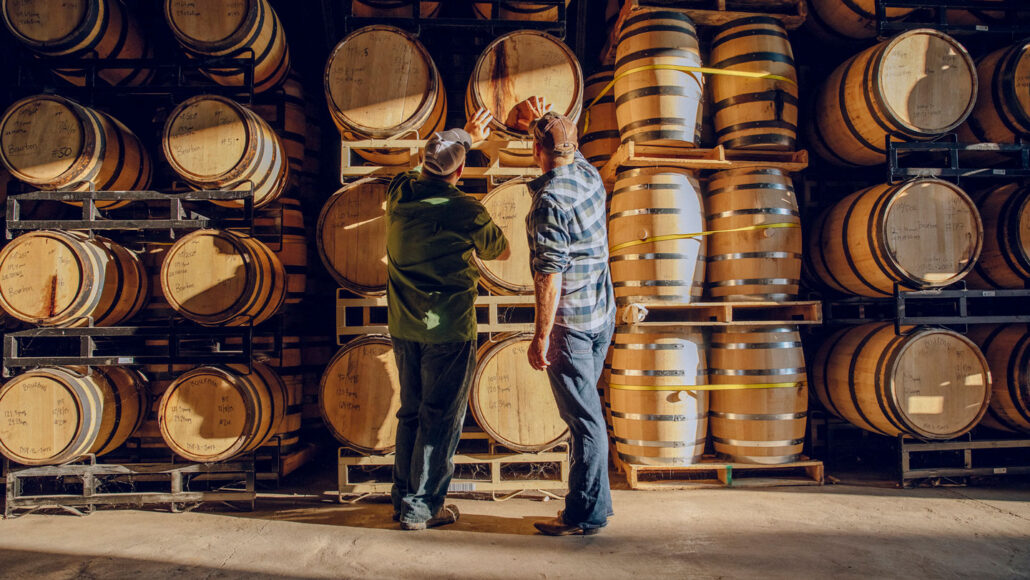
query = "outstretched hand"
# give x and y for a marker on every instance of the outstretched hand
(478, 127)
(527, 111)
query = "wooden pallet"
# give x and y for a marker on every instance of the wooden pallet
(714, 473)
(790, 13)
(630, 154)
(353, 166)
(356, 316)
(720, 313)
(374, 473)
(92, 490)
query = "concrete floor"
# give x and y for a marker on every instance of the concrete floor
(844, 531)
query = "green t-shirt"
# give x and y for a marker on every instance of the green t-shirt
(432, 230)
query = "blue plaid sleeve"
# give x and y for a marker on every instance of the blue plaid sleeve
(549, 236)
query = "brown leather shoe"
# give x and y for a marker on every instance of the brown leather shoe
(448, 514)
(558, 527)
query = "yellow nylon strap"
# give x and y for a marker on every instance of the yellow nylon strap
(727, 387)
(668, 237)
(700, 69)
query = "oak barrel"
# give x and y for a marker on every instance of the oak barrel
(1002, 111)
(762, 421)
(598, 129)
(381, 83)
(360, 395)
(758, 264)
(223, 278)
(511, 401)
(394, 8)
(84, 29)
(351, 236)
(657, 419)
(57, 414)
(280, 226)
(913, 87)
(242, 29)
(754, 113)
(514, 67)
(918, 234)
(215, 413)
(648, 204)
(54, 143)
(508, 206)
(932, 383)
(215, 143)
(658, 106)
(1007, 349)
(509, 10)
(1005, 259)
(68, 279)
(849, 20)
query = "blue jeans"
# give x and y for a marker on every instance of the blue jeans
(435, 381)
(577, 359)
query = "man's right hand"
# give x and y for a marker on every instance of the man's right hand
(537, 352)
(478, 127)
(525, 112)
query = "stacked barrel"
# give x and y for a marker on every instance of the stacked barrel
(381, 83)
(678, 237)
(925, 233)
(238, 276)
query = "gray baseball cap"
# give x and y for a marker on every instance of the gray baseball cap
(445, 151)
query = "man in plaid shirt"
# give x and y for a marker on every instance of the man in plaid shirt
(567, 228)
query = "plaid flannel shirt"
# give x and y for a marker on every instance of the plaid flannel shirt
(567, 227)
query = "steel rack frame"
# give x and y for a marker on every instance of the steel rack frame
(954, 162)
(493, 27)
(955, 306)
(962, 458)
(938, 16)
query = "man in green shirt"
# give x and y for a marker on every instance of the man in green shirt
(432, 230)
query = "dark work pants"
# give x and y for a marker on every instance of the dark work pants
(577, 359)
(435, 381)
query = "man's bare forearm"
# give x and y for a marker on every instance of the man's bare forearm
(548, 290)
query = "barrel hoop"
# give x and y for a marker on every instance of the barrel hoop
(888, 404)
(1014, 375)
(650, 373)
(651, 283)
(647, 417)
(656, 90)
(656, 15)
(789, 143)
(826, 374)
(1005, 77)
(750, 57)
(758, 417)
(751, 255)
(659, 28)
(875, 232)
(647, 346)
(770, 95)
(643, 443)
(593, 159)
(847, 248)
(754, 211)
(649, 211)
(654, 256)
(842, 102)
(872, 70)
(120, 288)
(754, 345)
(120, 164)
(117, 413)
(646, 186)
(718, 40)
(596, 135)
(1007, 232)
(822, 25)
(755, 282)
(648, 54)
(743, 443)
(123, 37)
(652, 121)
(769, 124)
(641, 460)
(709, 387)
(756, 372)
(685, 136)
(851, 380)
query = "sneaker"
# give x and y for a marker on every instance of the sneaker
(448, 514)
(558, 527)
